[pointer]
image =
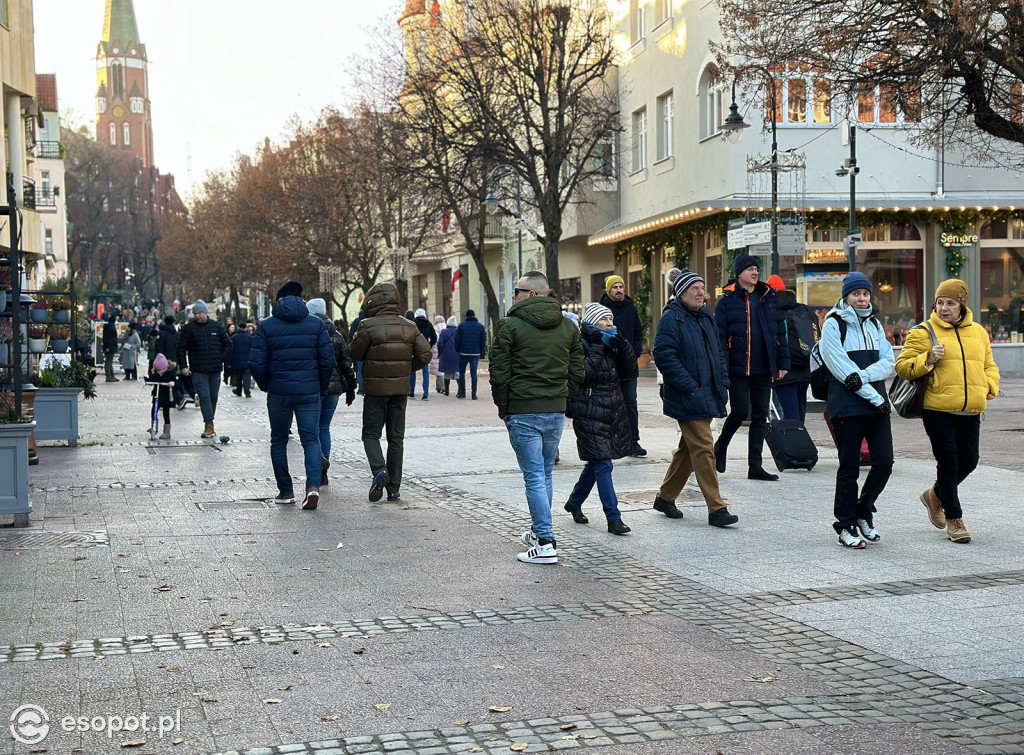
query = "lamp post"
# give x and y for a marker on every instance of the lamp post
(851, 169)
(492, 201)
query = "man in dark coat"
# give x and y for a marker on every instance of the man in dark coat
(696, 377)
(110, 347)
(471, 343)
(628, 325)
(203, 347)
(292, 360)
(391, 348)
(752, 333)
(241, 348)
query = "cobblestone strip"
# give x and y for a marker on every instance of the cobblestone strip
(170, 484)
(275, 635)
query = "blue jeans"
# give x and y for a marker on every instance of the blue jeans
(306, 409)
(426, 381)
(534, 438)
(601, 473)
(472, 361)
(328, 405)
(793, 400)
(208, 387)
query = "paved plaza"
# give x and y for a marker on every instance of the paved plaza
(158, 578)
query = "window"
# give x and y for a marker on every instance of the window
(603, 159)
(116, 80)
(44, 178)
(662, 11)
(48, 241)
(4, 14)
(639, 140)
(710, 104)
(665, 126)
(800, 96)
(101, 105)
(887, 103)
(637, 22)
(127, 131)
(113, 135)
(135, 104)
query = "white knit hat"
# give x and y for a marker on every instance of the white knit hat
(594, 312)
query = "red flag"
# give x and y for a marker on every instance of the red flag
(456, 274)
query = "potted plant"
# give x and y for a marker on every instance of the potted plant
(36, 339)
(6, 336)
(14, 435)
(56, 406)
(39, 311)
(60, 335)
(61, 307)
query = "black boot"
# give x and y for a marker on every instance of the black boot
(668, 508)
(577, 514)
(325, 464)
(618, 527)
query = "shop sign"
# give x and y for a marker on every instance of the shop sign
(952, 239)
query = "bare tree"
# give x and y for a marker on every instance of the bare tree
(954, 68)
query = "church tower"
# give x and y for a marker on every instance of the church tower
(123, 118)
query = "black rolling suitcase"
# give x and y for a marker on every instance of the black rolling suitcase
(791, 446)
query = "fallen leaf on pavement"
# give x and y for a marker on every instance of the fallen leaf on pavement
(177, 740)
(322, 644)
(500, 708)
(518, 746)
(272, 700)
(285, 688)
(568, 727)
(359, 651)
(498, 666)
(588, 735)
(462, 721)
(765, 679)
(476, 749)
(174, 668)
(332, 717)
(382, 706)
(134, 743)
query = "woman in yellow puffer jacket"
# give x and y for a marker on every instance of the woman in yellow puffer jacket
(964, 377)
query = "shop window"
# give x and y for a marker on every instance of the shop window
(874, 233)
(830, 236)
(571, 291)
(1002, 287)
(896, 275)
(904, 233)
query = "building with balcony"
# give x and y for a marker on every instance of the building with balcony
(48, 178)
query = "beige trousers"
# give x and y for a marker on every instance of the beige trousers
(694, 454)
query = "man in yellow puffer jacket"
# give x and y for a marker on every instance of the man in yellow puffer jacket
(964, 377)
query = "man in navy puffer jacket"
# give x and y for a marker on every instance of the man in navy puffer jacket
(292, 361)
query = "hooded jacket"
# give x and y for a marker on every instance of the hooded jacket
(537, 359)
(447, 355)
(471, 337)
(203, 347)
(167, 341)
(966, 377)
(692, 363)
(598, 409)
(864, 351)
(426, 329)
(732, 312)
(389, 346)
(291, 351)
(627, 320)
(343, 379)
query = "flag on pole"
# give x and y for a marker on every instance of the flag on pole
(456, 274)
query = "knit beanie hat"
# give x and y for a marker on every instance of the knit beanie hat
(451, 321)
(317, 306)
(470, 313)
(594, 312)
(438, 320)
(684, 280)
(169, 320)
(610, 281)
(160, 363)
(776, 282)
(291, 288)
(854, 281)
(421, 313)
(743, 261)
(200, 306)
(955, 289)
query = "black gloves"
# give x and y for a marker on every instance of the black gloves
(350, 396)
(853, 382)
(883, 409)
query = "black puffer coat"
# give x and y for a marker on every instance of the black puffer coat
(203, 347)
(598, 409)
(343, 379)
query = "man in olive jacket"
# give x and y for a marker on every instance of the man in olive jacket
(390, 349)
(536, 365)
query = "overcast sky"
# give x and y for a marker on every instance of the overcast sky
(223, 74)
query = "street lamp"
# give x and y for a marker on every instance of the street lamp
(851, 169)
(734, 123)
(492, 202)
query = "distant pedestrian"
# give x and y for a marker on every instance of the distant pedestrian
(229, 367)
(628, 325)
(696, 379)
(435, 361)
(964, 378)
(391, 348)
(801, 334)
(858, 357)
(131, 345)
(241, 348)
(203, 348)
(447, 356)
(427, 330)
(536, 365)
(162, 376)
(343, 381)
(359, 365)
(110, 347)
(598, 413)
(471, 343)
(752, 335)
(292, 361)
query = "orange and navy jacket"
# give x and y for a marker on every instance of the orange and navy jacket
(732, 313)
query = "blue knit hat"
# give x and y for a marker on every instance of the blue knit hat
(854, 281)
(683, 281)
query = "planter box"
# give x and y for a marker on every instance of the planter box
(38, 315)
(62, 316)
(14, 472)
(56, 414)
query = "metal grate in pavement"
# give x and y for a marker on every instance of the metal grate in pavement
(36, 540)
(157, 450)
(244, 503)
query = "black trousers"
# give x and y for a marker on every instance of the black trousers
(632, 413)
(849, 506)
(955, 439)
(385, 413)
(749, 396)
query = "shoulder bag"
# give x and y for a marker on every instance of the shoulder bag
(907, 396)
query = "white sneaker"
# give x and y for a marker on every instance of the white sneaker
(529, 539)
(541, 554)
(870, 533)
(851, 540)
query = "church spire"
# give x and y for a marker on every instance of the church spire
(119, 25)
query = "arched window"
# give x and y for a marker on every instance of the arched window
(127, 133)
(116, 80)
(113, 135)
(710, 104)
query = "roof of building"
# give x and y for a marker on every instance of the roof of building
(46, 91)
(119, 25)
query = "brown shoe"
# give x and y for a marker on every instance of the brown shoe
(208, 431)
(956, 531)
(931, 501)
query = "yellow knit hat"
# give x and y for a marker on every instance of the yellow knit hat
(953, 289)
(610, 281)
